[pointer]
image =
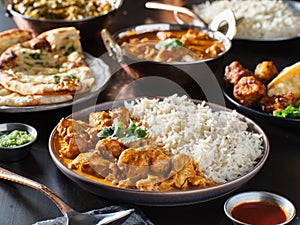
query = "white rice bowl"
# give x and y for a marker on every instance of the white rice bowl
(218, 141)
(263, 19)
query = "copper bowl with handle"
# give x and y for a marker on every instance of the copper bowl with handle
(89, 27)
(188, 75)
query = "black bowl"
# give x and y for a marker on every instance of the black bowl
(262, 118)
(11, 154)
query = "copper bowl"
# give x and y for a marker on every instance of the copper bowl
(89, 27)
(189, 75)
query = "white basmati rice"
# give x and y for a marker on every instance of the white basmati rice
(218, 141)
(263, 19)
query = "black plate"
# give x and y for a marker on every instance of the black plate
(259, 116)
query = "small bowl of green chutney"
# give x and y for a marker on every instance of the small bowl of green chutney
(16, 140)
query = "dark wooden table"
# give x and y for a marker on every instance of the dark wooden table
(23, 205)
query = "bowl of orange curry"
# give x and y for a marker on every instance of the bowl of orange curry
(172, 51)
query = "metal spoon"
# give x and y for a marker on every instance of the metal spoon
(72, 217)
(184, 10)
(230, 28)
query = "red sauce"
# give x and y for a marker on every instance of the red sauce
(259, 213)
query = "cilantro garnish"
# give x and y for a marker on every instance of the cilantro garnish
(290, 111)
(130, 134)
(169, 43)
(71, 76)
(35, 55)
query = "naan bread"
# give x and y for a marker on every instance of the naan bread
(47, 69)
(77, 80)
(14, 36)
(14, 99)
(288, 80)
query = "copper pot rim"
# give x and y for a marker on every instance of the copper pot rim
(159, 27)
(10, 12)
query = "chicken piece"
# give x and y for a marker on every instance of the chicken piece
(195, 37)
(78, 136)
(165, 55)
(100, 119)
(122, 115)
(109, 148)
(141, 143)
(214, 49)
(272, 104)
(137, 164)
(179, 55)
(163, 35)
(133, 163)
(92, 163)
(234, 72)
(184, 175)
(249, 90)
(181, 171)
(150, 183)
(265, 71)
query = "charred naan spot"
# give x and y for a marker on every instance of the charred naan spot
(8, 59)
(40, 43)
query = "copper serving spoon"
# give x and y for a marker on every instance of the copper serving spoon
(72, 217)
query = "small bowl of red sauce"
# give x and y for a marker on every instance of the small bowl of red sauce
(259, 208)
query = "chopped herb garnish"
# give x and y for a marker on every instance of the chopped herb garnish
(56, 79)
(290, 111)
(29, 64)
(35, 55)
(56, 66)
(71, 48)
(71, 76)
(130, 134)
(169, 43)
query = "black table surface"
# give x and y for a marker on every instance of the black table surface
(280, 174)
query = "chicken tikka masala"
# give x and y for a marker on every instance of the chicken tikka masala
(117, 149)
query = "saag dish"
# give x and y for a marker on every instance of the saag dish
(62, 10)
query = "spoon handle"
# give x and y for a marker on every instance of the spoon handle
(11, 176)
(180, 9)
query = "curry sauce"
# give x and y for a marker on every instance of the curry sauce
(115, 149)
(172, 46)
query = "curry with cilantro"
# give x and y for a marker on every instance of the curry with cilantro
(172, 45)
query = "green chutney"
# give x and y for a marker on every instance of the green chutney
(14, 138)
